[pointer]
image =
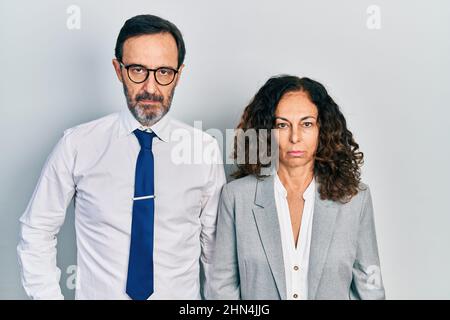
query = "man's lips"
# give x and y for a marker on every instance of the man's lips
(149, 101)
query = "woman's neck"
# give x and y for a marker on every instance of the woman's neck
(296, 179)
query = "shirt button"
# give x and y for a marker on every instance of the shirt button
(295, 296)
(296, 268)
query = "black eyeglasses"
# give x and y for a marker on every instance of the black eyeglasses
(138, 74)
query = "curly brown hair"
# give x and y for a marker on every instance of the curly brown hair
(338, 159)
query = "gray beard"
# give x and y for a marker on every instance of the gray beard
(140, 110)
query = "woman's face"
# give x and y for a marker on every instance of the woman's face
(297, 130)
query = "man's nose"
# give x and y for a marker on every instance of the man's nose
(150, 85)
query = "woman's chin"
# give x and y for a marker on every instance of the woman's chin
(294, 162)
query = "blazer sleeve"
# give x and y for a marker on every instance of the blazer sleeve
(367, 282)
(225, 284)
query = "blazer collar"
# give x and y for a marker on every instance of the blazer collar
(324, 218)
(265, 213)
(266, 217)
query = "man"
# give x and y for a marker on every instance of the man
(145, 223)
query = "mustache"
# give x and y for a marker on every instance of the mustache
(149, 96)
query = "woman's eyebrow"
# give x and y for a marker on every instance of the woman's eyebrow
(304, 118)
(307, 117)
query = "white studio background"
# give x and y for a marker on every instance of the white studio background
(386, 63)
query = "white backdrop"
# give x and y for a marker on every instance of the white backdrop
(386, 63)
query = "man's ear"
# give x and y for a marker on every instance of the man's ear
(180, 70)
(118, 69)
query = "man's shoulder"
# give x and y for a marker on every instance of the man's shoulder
(102, 124)
(181, 128)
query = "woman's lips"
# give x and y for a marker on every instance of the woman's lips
(296, 153)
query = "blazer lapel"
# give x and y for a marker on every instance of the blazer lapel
(266, 218)
(324, 218)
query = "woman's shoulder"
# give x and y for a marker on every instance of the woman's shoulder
(240, 185)
(363, 189)
(242, 193)
(359, 200)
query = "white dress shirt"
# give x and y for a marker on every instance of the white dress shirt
(296, 259)
(95, 163)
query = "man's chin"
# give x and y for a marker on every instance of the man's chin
(148, 114)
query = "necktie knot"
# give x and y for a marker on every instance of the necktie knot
(145, 138)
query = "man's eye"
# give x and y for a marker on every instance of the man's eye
(281, 125)
(137, 69)
(165, 72)
(307, 124)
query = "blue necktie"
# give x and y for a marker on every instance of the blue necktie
(140, 264)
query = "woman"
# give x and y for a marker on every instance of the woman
(307, 230)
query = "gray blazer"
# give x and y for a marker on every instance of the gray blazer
(248, 261)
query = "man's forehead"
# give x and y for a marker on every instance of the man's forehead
(160, 48)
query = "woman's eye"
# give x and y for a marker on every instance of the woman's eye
(281, 125)
(307, 124)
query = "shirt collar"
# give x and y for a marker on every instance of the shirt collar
(279, 186)
(128, 124)
(309, 192)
